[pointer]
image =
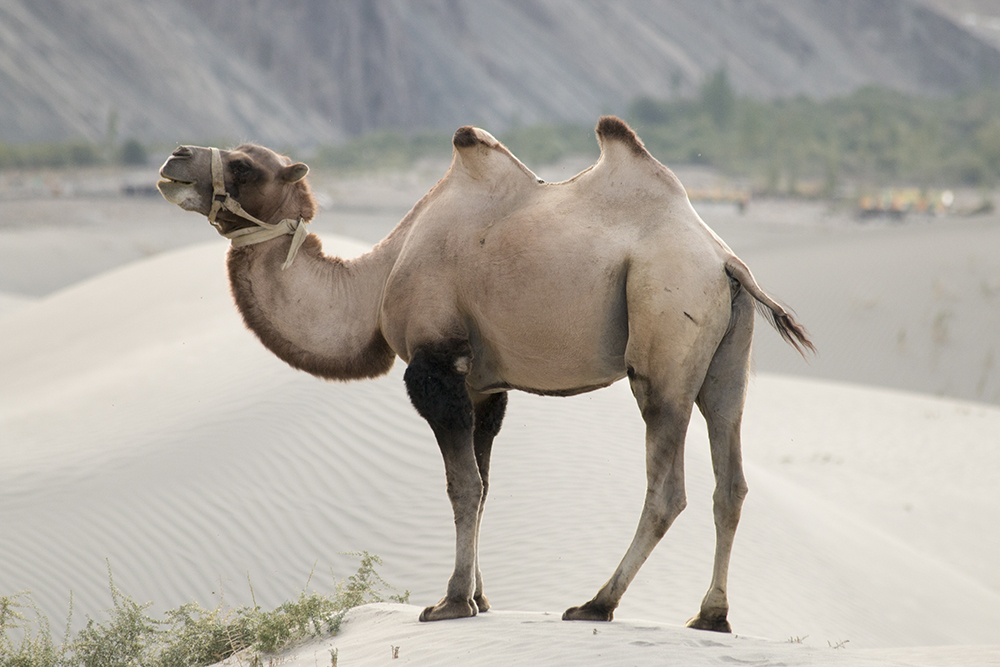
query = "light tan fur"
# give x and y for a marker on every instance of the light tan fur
(552, 288)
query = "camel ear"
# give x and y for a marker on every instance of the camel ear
(293, 172)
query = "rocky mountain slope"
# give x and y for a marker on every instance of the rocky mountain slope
(297, 73)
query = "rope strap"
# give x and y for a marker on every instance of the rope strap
(264, 231)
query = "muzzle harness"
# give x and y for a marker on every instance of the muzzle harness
(263, 231)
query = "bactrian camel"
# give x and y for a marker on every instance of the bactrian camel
(496, 280)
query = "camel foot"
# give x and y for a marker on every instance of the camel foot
(448, 608)
(588, 612)
(482, 602)
(714, 623)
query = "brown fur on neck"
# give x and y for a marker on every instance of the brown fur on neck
(368, 361)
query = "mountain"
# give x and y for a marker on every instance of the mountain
(70, 69)
(298, 73)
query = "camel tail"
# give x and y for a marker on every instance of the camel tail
(781, 319)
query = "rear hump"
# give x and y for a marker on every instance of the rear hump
(613, 129)
(626, 160)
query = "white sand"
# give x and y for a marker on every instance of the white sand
(374, 634)
(142, 425)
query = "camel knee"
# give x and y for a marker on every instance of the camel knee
(435, 383)
(466, 494)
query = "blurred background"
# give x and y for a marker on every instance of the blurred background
(796, 96)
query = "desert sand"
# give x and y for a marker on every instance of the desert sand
(142, 426)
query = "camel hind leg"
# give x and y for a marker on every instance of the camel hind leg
(674, 333)
(666, 426)
(721, 402)
(665, 380)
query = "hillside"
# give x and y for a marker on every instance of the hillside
(224, 70)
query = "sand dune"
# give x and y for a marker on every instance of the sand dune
(374, 633)
(141, 425)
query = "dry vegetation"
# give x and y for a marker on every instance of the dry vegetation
(188, 636)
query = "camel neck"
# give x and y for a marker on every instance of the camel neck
(321, 314)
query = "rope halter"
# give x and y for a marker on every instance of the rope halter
(263, 231)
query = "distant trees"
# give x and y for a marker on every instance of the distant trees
(132, 153)
(718, 99)
(385, 149)
(59, 155)
(874, 134)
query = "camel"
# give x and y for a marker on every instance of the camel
(496, 280)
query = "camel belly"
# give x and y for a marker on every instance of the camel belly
(561, 372)
(550, 334)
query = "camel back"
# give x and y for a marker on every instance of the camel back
(625, 175)
(481, 160)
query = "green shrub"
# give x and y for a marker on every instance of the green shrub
(188, 636)
(26, 641)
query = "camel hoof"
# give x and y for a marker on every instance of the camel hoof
(482, 602)
(717, 623)
(447, 608)
(588, 612)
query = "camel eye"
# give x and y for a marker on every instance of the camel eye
(241, 171)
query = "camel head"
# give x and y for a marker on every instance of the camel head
(267, 186)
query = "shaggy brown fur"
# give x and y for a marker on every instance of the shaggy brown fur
(368, 361)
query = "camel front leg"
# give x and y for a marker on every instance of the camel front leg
(665, 499)
(435, 382)
(465, 490)
(489, 413)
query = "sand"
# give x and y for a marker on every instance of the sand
(141, 425)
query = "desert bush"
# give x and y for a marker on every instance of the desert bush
(188, 636)
(877, 135)
(25, 638)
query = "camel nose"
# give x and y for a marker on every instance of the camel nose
(183, 151)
